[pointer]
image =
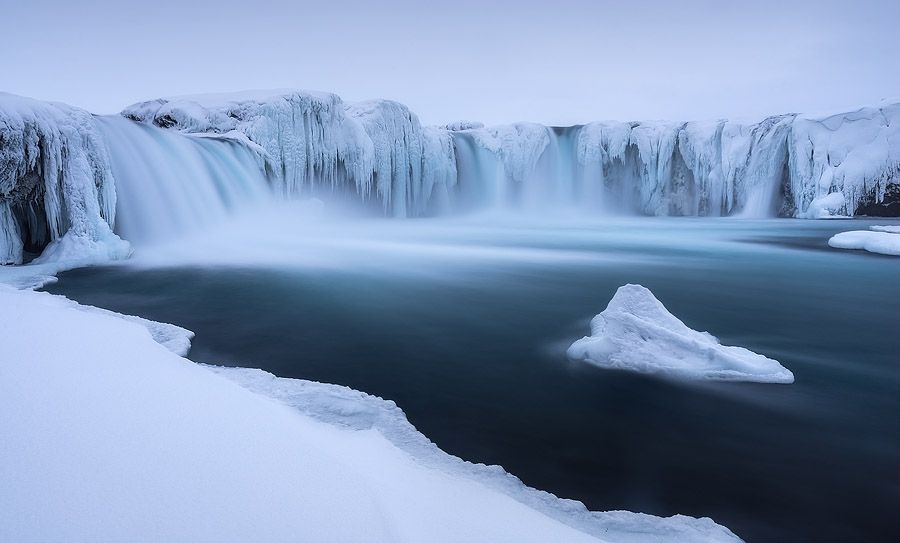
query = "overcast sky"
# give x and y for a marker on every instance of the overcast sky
(556, 61)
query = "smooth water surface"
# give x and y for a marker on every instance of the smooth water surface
(465, 325)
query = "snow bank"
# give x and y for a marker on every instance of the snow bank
(311, 142)
(359, 411)
(110, 437)
(879, 239)
(55, 184)
(635, 332)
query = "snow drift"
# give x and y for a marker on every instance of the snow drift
(109, 436)
(635, 332)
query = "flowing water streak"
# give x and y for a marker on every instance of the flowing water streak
(169, 184)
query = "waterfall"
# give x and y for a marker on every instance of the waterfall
(169, 184)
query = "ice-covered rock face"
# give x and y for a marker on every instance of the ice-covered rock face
(809, 166)
(55, 183)
(637, 333)
(787, 165)
(313, 142)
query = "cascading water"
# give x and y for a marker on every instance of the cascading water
(623, 169)
(168, 184)
(481, 178)
(498, 172)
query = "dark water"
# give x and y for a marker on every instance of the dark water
(474, 356)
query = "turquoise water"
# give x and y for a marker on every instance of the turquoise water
(465, 324)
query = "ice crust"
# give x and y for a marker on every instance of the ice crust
(635, 332)
(110, 437)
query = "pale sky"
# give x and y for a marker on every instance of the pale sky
(556, 62)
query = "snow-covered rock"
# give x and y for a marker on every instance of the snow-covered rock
(108, 436)
(878, 239)
(635, 332)
(56, 187)
(856, 154)
(825, 207)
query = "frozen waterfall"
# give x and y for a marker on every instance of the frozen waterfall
(168, 184)
(171, 165)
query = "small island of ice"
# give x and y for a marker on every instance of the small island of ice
(878, 239)
(637, 333)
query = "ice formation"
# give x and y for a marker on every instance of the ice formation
(878, 239)
(809, 166)
(313, 144)
(62, 170)
(106, 432)
(56, 187)
(635, 332)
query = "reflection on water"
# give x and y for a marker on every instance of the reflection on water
(464, 324)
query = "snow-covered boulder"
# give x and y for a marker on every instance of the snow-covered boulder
(878, 239)
(635, 332)
(828, 206)
(56, 187)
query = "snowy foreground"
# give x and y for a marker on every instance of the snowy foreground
(878, 239)
(637, 333)
(110, 436)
